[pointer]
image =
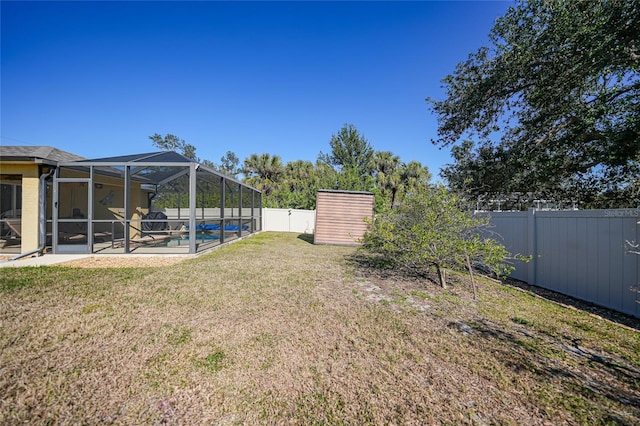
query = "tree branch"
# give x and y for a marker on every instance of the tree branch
(557, 129)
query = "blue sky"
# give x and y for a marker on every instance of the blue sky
(97, 78)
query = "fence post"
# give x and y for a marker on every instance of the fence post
(533, 252)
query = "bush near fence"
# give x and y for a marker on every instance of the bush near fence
(579, 253)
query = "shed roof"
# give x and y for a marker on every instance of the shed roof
(342, 191)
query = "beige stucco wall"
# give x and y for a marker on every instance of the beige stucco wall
(30, 209)
(30, 212)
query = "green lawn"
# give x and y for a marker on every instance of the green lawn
(275, 330)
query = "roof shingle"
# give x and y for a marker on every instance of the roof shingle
(37, 152)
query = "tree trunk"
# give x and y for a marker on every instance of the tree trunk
(442, 276)
(473, 280)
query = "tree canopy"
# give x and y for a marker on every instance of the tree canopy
(351, 151)
(352, 165)
(263, 172)
(174, 143)
(552, 108)
(229, 164)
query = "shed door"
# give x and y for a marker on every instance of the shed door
(71, 224)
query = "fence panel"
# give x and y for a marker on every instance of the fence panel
(515, 227)
(288, 220)
(578, 253)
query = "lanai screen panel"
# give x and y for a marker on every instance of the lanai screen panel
(340, 216)
(172, 204)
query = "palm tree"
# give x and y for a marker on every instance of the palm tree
(263, 171)
(386, 168)
(298, 174)
(414, 175)
(264, 166)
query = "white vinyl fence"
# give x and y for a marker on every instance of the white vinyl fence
(289, 220)
(577, 253)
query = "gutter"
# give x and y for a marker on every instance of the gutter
(39, 251)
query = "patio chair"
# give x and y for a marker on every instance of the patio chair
(11, 223)
(15, 225)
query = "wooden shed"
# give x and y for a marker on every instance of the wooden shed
(340, 216)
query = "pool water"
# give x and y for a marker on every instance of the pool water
(183, 239)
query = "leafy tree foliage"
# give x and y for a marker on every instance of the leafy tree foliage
(394, 178)
(263, 172)
(553, 105)
(172, 194)
(430, 228)
(352, 165)
(173, 143)
(351, 179)
(351, 158)
(265, 166)
(350, 151)
(386, 167)
(297, 187)
(301, 181)
(414, 176)
(294, 185)
(229, 164)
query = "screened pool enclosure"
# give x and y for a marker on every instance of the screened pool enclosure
(160, 202)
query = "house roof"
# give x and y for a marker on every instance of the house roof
(36, 154)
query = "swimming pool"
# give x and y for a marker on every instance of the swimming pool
(201, 237)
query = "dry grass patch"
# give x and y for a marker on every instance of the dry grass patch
(274, 330)
(125, 261)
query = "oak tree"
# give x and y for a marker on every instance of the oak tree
(555, 101)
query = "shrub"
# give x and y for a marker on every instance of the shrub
(431, 228)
